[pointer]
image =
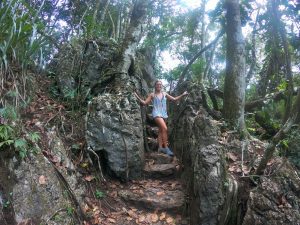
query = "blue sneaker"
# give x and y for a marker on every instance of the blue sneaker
(169, 152)
(162, 150)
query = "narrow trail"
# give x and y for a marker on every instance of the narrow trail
(157, 199)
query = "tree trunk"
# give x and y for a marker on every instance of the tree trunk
(132, 37)
(253, 50)
(102, 17)
(119, 20)
(94, 18)
(234, 87)
(203, 35)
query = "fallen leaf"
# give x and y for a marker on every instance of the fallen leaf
(232, 156)
(89, 178)
(42, 180)
(111, 220)
(154, 218)
(132, 214)
(173, 185)
(169, 220)
(141, 218)
(113, 194)
(160, 193)
(162, 216)
(113, 186)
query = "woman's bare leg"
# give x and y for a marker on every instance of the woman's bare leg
(159, 139)
(163, 130)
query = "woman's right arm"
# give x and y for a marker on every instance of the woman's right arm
(144, 102)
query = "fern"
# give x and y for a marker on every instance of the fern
(34, 137)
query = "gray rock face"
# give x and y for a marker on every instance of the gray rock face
(194, 137)
(84, 61)
(276, 200)
(35, 190)
(209, 179)
(114, 126)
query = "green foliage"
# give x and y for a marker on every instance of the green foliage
(99, 194)
(289, 146)
(282, 86)
(197, 69)
(12, 134)
(6, 134)
(9, 113)
(70, 210)
(6, 204)
(19, 39)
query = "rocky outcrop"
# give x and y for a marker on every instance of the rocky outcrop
(80, 66)
(276, 200)
(38, 192)
(114, 128)
(194, 137)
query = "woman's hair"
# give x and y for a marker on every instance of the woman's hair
(157, 82)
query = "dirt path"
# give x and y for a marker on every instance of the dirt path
(157, 199)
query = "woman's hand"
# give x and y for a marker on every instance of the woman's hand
(185, 93)
(143, 102)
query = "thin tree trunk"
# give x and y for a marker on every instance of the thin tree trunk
(113, 26)
(294, 118)
(94, 17)
(253, 50)
(187, 67)
(203, 35)
(234, 87)
(209, 61)
(118, 27)
(287, 56)
(102, 17)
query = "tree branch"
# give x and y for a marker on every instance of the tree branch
(185, 70)
(294, 118)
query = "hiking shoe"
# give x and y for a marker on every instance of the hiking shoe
(169, 152)
(162, 150)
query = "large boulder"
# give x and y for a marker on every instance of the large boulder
(36, 192)
(91, 66)
(114, 129)
(80, 66)
(194, 137)
(276, 200)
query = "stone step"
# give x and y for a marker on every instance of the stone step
(158, 158)
(154, 198)
(159, 170)
(152, 131)
(152, 143)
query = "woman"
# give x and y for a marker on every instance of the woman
(159, 113)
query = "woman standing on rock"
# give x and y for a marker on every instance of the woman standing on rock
(159, 113)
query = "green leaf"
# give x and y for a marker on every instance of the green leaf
(99, 194)
(23, 153)
(34, 137)
(20, 143)
(7, 142)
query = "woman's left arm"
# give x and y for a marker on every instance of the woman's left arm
(176, 98)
